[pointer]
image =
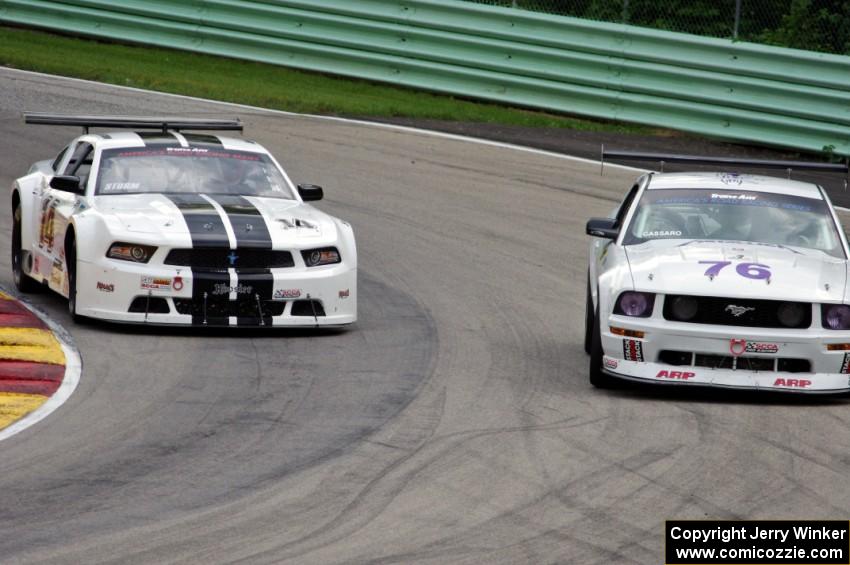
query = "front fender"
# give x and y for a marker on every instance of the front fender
(27, 189)
(614, 277)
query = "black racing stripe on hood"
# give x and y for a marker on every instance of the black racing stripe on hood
(205, 224)
(248, 222)
(252, 232)
(206, 228)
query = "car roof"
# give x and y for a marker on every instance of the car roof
(732, 182)
(126, 139)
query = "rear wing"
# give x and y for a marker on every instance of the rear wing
(663, 158)
(133, 122)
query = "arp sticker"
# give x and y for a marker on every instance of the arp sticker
(676, 375)
(792, 383)
(632, 350)
(343, 294)
(609, 363)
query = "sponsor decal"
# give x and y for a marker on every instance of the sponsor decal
(56, 274)
(48, 220)
(759, 347)
(609, 363)
(103, 287)
(730, 178)
(177, 284)
(156, 283)
(220, 288)
(632, 350)
(669, 233)
(845, 365)
(679, 375)
(794, 383)
(343, 294)
(186, 150)
(284, 293)
(737, 346)
(121, 186)
(738, 311)
(740, 346)
(733, 197)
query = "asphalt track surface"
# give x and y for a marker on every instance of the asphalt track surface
(455, 423)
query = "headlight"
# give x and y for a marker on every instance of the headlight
(684, 308)
(131, 252)
(791, 314)
(323, 256)
(835, 316)
(635, 304)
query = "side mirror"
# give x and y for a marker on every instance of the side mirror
(67, 183)
(603, 227)
(310, 192)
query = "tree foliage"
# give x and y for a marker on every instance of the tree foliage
(816, 25)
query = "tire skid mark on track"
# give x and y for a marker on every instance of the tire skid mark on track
(496, 268)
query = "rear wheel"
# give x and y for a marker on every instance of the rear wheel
(597, 377)
(23, 282)
(588, 318)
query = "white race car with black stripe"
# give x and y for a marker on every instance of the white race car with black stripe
(173, 227)
(723, 280)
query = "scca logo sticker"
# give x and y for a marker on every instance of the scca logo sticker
(797, 383)
(679, 375)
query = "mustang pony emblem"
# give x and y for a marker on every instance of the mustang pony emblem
(232, 258)
(738, 311)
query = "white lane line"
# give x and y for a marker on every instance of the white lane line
(408, 129)
(73, 371)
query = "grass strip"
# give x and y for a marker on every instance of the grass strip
(259, 84)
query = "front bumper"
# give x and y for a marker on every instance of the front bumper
(290, 297)
(643, 359)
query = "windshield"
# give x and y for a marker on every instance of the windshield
(189, 170)
(759, 217)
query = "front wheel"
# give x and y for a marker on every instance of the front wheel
(71, 266)
(23, 282)
(597, 377)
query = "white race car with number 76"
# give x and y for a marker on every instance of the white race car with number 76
(720, 279)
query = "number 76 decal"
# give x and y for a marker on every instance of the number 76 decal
(755, 271)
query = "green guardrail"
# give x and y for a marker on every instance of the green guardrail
(714, 87)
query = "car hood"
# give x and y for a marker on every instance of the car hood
(288, 221)
(753, 271)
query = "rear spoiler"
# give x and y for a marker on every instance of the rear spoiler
(133, 122)
(663, 158)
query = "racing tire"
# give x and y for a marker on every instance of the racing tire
(71, 267)
(597, 378)
(23, 282)
(588, 318)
